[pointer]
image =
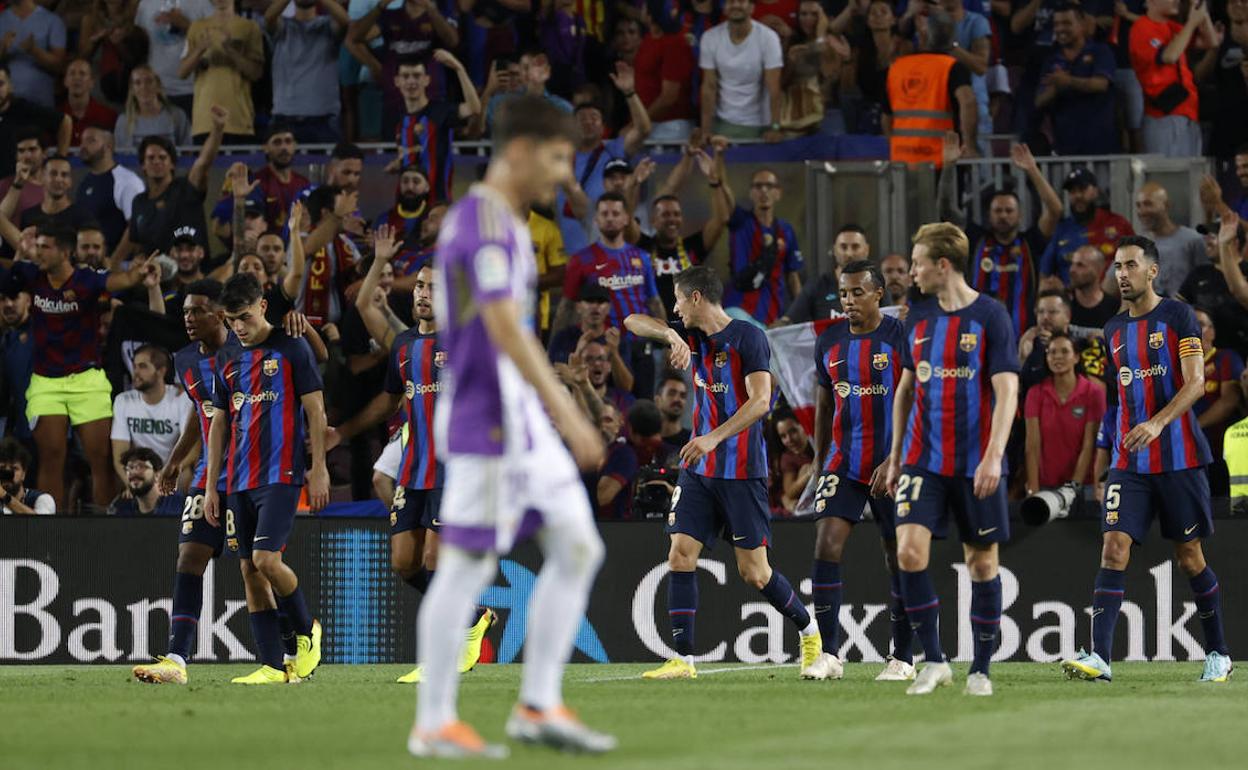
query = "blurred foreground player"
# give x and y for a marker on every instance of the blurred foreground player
(263, 392)
(722, 487)
(1158, 462)
(508, 474)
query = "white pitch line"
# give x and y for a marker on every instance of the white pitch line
(701, 672)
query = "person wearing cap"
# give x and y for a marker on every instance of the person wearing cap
(1076, 86)
(593, 310)
(1089, 223)
(741, 61)
(106, 194)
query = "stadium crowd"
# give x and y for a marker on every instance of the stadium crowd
(91, 411)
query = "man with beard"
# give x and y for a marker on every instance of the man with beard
(57, 208)
(820, 297)
(764, 256)
(1090, 307)
(1003, 256)
(141, 494)
(91, 250)
(1089, 223)
(277, 184)
(407, 216)
(15, 497)
(149, 415)
(106, 194)
(670, 396)
(897, 281)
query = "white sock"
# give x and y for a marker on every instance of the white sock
(177, 659)
(444, 613)
(811, 628)
(573, 553)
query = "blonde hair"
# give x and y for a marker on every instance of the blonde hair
(944, 240)
(132, 103)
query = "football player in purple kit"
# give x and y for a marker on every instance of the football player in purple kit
(1158, 460)
(722, 487)
(508, 473)
(858, 365)
(948, 452)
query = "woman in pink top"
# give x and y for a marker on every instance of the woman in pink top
(1062, 413)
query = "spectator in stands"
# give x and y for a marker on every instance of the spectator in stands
(561, 32)
(1159, 47)
(279, 185)
(598, 358)
(820, 297)
(741, 63)
(972, 48)
(505, 81)
(1052, 313)
(17, 348)
(1229, 129)
(1129, 96)
(166, 23)
(613, 483)
(670, 395)
(151, 414)
(57, 207)
(870, 60)
(425, 130)
(1089, 223)
(813, 62)
(15, 497)
(149, 112)
(1220, 288)
(170, 201)
(665, 65)
(1075, 88)
(796, 464)
(1219, 406)
(225, 53)
(1003, 256)
(305, 67)
(346, 167)
(83, 110)
(140, 493)
(1181, 248)
(27, 140)
(332, 258)
(897, 281)
(1062, 414)
(90, 249)
(106, 194)
(593, 311)
(111, 41)
(407, 216)
(17, 113)
(32, 40)
(764, 255)
(1090, 307)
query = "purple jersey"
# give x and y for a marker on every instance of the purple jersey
(262, 386)
(64, 320)
(1147, 352)
(197, 372)
(954, 357)
(862, 371)
(720, 364)
(415, 360)
(484, 255)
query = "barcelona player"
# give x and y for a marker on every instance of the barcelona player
(1159, 454)
(857, 365)
(722, 487)
(264, 390)
(954, 406)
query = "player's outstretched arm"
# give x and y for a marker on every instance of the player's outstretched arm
(318, 474)
(217, 431)
(902, 401)
(1005, 406)
(653, 329)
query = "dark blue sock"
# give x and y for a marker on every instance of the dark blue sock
(294, 606)
(825, 585)
(923, 610)
(188, 601)
(419, 580)
(1106, 602)
(985, 620)
(1209, 607)
(782, 596)
(682, 609)
(267, 630)
(290, 645)
(903, 634)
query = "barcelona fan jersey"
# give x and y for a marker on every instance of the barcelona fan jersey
(626, 273)
(772, 249)
(415, 360)
(862, 371)
(64, 320)
(1007, 271)
(1147, 352)
(197, 372)
(720, 364)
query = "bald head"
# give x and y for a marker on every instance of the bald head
(1087, 265)
(1152, 206)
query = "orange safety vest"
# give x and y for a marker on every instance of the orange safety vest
(918, 92)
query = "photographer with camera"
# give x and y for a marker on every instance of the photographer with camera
(637, 457)
(14, 496)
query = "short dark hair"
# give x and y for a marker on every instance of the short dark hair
(702, 279)
(1059, 293)
(144, 455)
(277, 129)
(26, 132)
(54, 157)
(411, 60)
(662, 198)
(320, 200)
(534, 118)
(12, 452)
(159, 356)
(346, 151)
(66, 239)
(610, 197)
(1068, 7)
(157, 141)
(865, 266)
(851, 228)
(1008, 192)
(1242, 149)
(1145, 245)
(668, 375)
(645, 419)
(4, 67)
(206, 287)
(240, 291)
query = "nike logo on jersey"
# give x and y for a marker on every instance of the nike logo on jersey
(988, 531)
(836, 363)
(257, 540)
(735, 538)
(921, 340)
(437, 523)
(1120, 347)
(1190, 529)
(600, 267)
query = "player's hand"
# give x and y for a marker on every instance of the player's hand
(167, 479)
(332, 438)
(212, 507)
(318, 487)
(879, 479)
(892, 472)
(1098, 492)
(295, 323)
(1141, 436)
(697, 448)
(584, 442)
(679, 355)
(987, 477)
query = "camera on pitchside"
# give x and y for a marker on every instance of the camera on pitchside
(653, 496)
(1049, 504)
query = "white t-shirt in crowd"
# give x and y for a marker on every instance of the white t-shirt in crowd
(155, 427)
(743, 98)
(44, 506)
(165, 44)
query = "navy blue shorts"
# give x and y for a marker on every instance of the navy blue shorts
(415, 509)
(1180, 499)
(928, 499)
(195, 528)
(261, 518)
(736, 509)
(846, 499)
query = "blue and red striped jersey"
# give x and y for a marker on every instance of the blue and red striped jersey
(627, 273)
(1147, 353)
(424, 139)
(407, 226)
(262, 386)
(197, 372)
(64, 320)
(862, 371)
(954, 357)
(1007, 271)
(415, 361)
(750, 242)
(720, 364)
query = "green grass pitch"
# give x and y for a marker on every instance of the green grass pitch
(1155, 715)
